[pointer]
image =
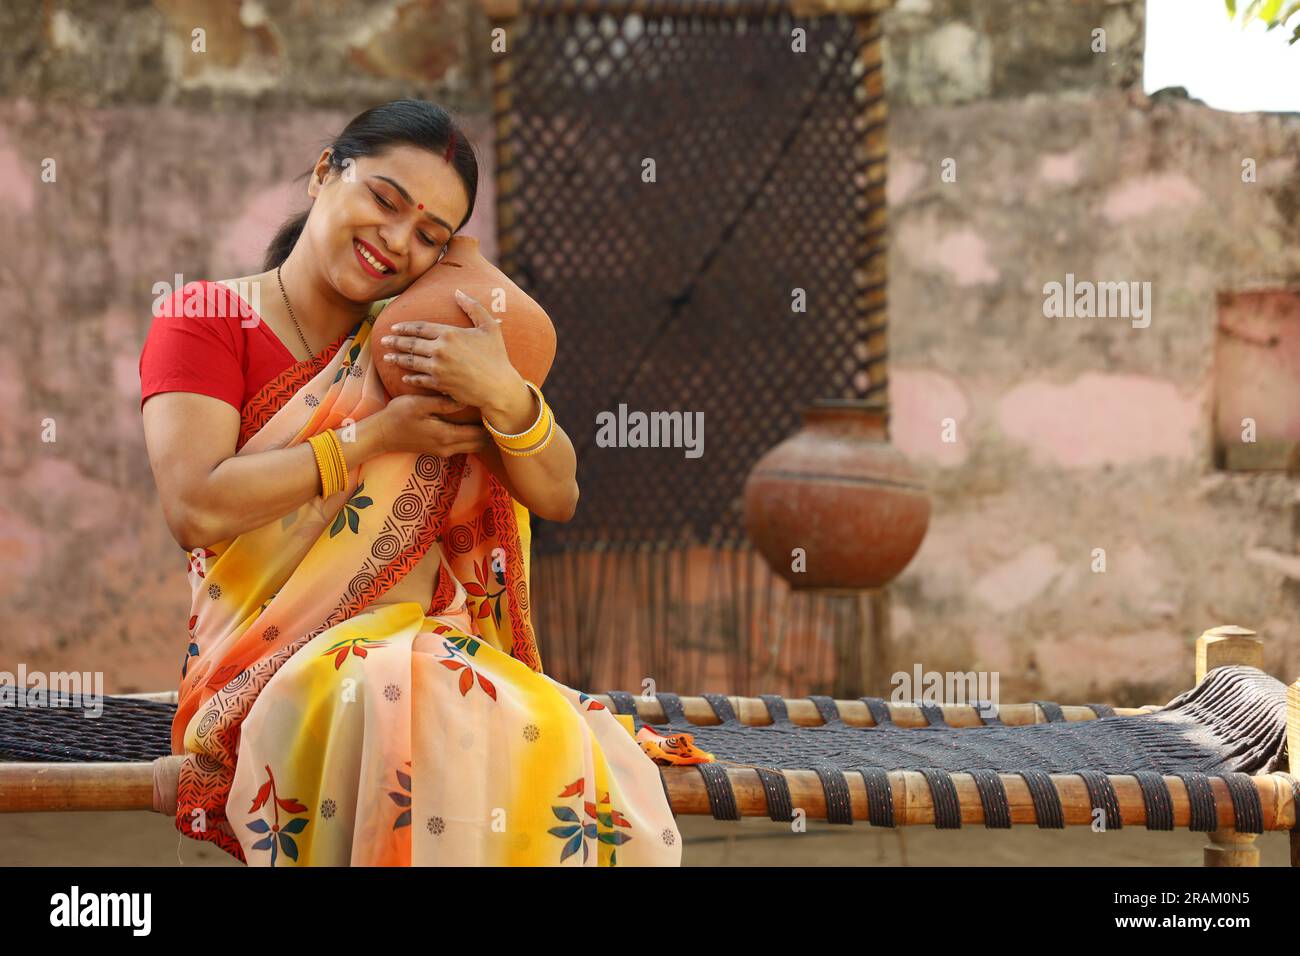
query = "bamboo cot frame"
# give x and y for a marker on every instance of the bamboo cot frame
(39, 787)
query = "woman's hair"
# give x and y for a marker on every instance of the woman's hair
(399, 123)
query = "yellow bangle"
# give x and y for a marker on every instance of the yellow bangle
(320, 448)
(531, 434)
(550, 433)
(339, 459)
(330, 462)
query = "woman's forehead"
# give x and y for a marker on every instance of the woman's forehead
(421, 175)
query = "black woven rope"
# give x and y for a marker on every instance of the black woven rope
(58, 728)
(722, 799)
(993, 798)
(776, 709)
(1248, 815)
(624, 703)
(879, 710)
(839, 807)
(1052, 710)
(880, 797)
(987, 713)
(1102, 797)
(780, 806)
(1233, 721)
(826, 707)
(943, 795)
(722, 707)
(1205, 816)
(1048, 812)
(672, 705)
(1157, 800)
(1101, 710)
(933, 714)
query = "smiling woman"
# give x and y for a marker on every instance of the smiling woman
(361, 682)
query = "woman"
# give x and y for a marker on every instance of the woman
(361, 684)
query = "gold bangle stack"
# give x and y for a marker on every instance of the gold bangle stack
(533, 439)
(329, 459)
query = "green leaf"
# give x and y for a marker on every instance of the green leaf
(1269, 13)
(353, 520)
(1232, 9)
(338, 523)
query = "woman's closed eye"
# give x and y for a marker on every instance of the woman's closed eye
(391, 208)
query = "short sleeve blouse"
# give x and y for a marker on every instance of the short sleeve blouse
(206, 338)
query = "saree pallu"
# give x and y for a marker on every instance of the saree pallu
(362, 684)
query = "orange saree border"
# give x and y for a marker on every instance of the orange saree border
(270, 398)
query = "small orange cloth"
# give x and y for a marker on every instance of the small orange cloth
(676, 750)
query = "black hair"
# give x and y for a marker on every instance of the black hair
(401, 122)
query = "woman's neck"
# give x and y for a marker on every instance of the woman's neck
(321, 312)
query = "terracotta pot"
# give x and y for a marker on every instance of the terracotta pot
(840, 491)
(528, 331)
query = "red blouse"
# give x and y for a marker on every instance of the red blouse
(206, 338)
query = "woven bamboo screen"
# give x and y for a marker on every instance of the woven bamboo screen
(695, 193)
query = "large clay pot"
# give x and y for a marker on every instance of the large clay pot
(840, 491)
(528, 331)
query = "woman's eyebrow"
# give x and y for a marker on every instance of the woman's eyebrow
(407, 196)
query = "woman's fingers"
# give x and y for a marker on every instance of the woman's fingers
(476, 311)
(427, 405)
(423, 381)
(468, 438)
(413, 336)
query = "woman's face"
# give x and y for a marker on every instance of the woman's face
(399, 206)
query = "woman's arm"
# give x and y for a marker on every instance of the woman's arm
(210, 494)
(473, 367)
(544, 483)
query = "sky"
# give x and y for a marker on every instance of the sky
(1192, 43)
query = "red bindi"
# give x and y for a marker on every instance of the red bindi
(421, 205)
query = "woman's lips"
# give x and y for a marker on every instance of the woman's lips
(366, 265)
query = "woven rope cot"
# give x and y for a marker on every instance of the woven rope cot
(1216, 758)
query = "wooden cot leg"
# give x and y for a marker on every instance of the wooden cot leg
(1228, 644)
(1230, 848)
(1219, 646)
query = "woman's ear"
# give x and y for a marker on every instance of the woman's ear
(319, 174)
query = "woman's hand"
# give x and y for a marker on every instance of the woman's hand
(470, 365)
(411, 423)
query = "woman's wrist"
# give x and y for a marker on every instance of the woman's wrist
(367, 441)
(515, 411)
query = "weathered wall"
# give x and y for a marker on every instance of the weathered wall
(168, 161)
(1075, 434)
(1071, 434)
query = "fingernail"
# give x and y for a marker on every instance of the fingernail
(387, 340)
(461, 295)
(389, 357)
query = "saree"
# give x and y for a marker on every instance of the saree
(362, 685)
